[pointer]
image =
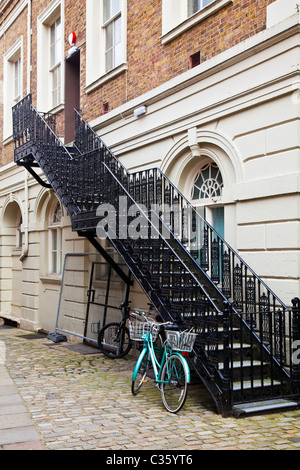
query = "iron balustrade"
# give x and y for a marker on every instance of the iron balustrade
(237, 282)
(246, 334)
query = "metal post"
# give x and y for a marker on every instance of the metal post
(226, 401)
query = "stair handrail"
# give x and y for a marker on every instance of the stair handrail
(167, 229)
(52, 133)
(31, 127)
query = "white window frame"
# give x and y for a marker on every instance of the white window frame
(204, 206)
(176, 19)
(55, 234)
(17, 79)
(45, 20)
(207, 163)
(14, 54)
(55, 67)
(110, 22)
(201, 5)
(96, 73)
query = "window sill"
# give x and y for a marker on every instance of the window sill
(105, 78)
(56, 109)
(51, 280)
(193, 20)
(8, 140)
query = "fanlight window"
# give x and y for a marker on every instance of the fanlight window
(208, 184)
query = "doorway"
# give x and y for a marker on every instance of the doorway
(72, 93)
(218, 220)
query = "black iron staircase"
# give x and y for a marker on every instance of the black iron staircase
(245, 348)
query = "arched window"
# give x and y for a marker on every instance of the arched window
(207, 185)
(206, 194)
(55, 239)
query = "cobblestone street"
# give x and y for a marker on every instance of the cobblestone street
(77, 400)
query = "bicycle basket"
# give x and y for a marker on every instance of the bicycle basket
(181, 341)
(137, 329)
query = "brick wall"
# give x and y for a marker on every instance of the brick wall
(150, 63)
(19, 28)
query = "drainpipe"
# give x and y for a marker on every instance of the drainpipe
(26, 197)
(29, 46)
(26, 213)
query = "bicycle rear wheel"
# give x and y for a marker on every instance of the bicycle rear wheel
(114, 340)
(174, 390)
(140, 372)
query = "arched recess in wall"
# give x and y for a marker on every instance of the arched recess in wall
(42, 201)
(11, 265)
(210, 157)
(48, 221)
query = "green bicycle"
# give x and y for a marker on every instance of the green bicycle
(172, 373)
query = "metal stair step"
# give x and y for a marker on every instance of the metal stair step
(248, 384)
(234, 346)
(238, 364)
(262, 406)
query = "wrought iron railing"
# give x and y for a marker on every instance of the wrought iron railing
(266, 321)
(183, 265)
(262, 311)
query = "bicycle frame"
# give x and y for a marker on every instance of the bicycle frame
(157, 368)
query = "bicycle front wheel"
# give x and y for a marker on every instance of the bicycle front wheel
(114, 340)
(175, 387)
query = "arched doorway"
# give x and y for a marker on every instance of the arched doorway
(204, 190)
(11, 250)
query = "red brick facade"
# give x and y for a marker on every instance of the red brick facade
(150, 63)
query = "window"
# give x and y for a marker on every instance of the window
(50, 63)
(17, 80)
(196, 5)
(208, 184)
(113, 36)
(55, 240)
(12, 83)
(206, 195)
(180, 15)
(106, 29)
(55, 61)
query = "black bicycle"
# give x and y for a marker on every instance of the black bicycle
(114, 338)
